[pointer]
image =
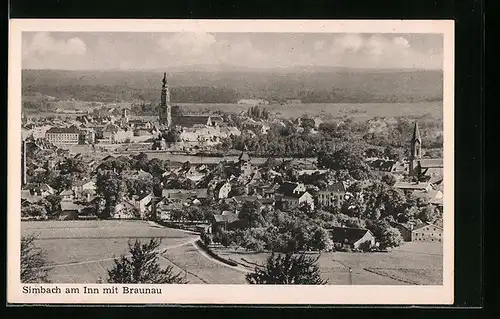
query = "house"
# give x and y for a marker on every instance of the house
(222, 190)
(353, 238)
(223, 221)
(67, 194)
(427, 232)
(83, 185)
(409, 187)
(432, 196)
(70, 210)
(291, 195)
(332, 195)
(125, 209)
(141, 203)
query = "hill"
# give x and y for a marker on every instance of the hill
(327, 86)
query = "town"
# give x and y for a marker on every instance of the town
(251, 180)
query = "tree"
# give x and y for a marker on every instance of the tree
(110, 187)
(250, 213)
(53, 204)
(389, 179)
(74, 167)
(288, 269)
(34, 210)
(142, 267)
(390, 237)
(428, 214)
(321, 240)
(34, 266)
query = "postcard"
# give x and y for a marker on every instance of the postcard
(231, 162)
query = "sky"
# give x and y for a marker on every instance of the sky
(146, 51)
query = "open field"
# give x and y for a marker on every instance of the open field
(358, 111)
(412, 263)
(82, 251)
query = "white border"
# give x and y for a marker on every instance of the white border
(235, 294)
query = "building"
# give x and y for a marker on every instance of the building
(23, 163)
(67, 194)
(410, 187)
(353, 238)
(425, 232)
(64, 135)
(292, 195)
(332, 195)
(223, 221)
(419, 167)
(165, 116)
(80, 186)
(40, 131)
(222, 190)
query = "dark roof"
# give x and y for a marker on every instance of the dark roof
(337, 187)
(346, 234)
(245, 198)
(287, 188)
(416, 134)
(189, 121)
(71, 129)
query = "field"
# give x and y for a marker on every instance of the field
(82, 251)
(413, 263)
(358, 111)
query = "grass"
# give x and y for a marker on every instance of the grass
(361, 111)
(81, 251)
(412, 263)
(212, 273)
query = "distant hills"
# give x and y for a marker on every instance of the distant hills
(310, 84)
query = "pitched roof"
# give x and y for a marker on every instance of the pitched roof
(70, 206)
(408, 185)
(66, 192)
(229, 217)
(346, 234)
(337, 187)
(287, 188)
(416, 134)
(72, 129)
(245, 198)
(420, 226)
(189, 121)
(81, 182)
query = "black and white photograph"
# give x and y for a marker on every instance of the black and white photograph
(154, 160)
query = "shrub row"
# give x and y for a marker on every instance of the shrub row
(214, 255)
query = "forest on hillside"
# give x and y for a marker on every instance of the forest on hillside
(229, 87)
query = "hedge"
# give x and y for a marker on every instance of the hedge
(200, 244)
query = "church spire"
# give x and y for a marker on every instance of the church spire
(416, 143)
(165, 117)
(416, 134)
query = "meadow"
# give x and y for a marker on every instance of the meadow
(410, 264)
(357, 111)
(82, 251)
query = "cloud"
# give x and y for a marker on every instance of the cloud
(43, 43)
(347, 42)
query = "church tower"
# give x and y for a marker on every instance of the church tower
(165, 107)
(416, 149)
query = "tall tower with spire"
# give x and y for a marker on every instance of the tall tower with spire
(416, 149)
(165, 116)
